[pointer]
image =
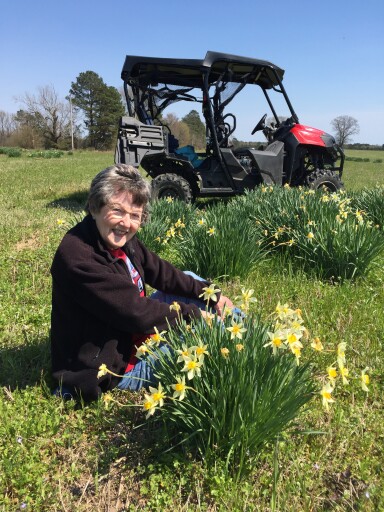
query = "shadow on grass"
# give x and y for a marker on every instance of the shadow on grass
(25, 365)
(74, 202)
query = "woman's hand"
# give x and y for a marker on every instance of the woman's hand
(224, 304)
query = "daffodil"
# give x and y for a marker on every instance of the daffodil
(175, 306)
(211, 231)
(332, 374)
(184, 353)
(344, 372)
(169, 199)
(157, 395)
(276, 341)
(283, 311)
(142, 351)
(239, 347)
(103, 370)
(179, 388)
(224, 352)
(201, 351)
(107, 399)
(365, 379)
(326, 393)
(158, 336)
(149, 406)
(201, 221)
(236, 330)
(310, 235)
(210, 293)
(341, 353)
(317, 345)
(192, 367)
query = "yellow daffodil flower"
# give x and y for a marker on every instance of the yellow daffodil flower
(365, 380)
(179, 388)
(142, 350)
(103, 370)
(236, 330)
(158, 336)
(192, 367)
(224, 352)
(239, 347)
(149, 406)
(326, 393)
(310, 235)
(211, 231)
(201, 351)
(341, 353)
(175, 306)
(344, 372)
(317, 345)
(210, 293)
(332, 374)
(169, 199)
(157, 395)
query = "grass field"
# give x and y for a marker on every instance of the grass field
(57, 456)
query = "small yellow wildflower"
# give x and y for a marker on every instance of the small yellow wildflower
(310, 235)
(236, 330)
(211, 231)
(169, 199)
(326, 393)
(365, 379)
(239, 347)
(60, 222)
(225, 352)
(201, 221)
(179, 388)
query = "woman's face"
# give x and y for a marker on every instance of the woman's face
(119, 220)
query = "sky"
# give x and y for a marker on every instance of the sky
(332, 51)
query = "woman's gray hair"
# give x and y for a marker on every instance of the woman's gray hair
(114, 180)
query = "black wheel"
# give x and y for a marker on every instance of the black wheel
(324, 178)
(171, 185)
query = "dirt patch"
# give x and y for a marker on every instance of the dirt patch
(31, 243)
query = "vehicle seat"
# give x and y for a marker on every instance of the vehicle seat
(189, 153)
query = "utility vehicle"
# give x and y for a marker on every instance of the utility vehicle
(293, 154)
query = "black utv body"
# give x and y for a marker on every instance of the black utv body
(294, 154)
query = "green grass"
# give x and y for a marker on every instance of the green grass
(56, 456)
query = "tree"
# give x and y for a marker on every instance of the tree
(178, 128)
(101, 106)
(345, 127)
(196, 129)
(7, 126)
(46, 114)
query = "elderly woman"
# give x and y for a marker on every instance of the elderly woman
(100, 309)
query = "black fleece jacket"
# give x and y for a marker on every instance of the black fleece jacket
(96, 308)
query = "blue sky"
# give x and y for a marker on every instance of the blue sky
(332, 51)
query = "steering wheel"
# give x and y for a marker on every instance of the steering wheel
(260, 125)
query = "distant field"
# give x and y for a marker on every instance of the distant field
(358, 175)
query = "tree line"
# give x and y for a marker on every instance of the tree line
(89, 118)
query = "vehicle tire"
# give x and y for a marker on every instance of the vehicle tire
(324, 178)
(171, 185)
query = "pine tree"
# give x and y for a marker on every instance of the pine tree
(101, 106)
